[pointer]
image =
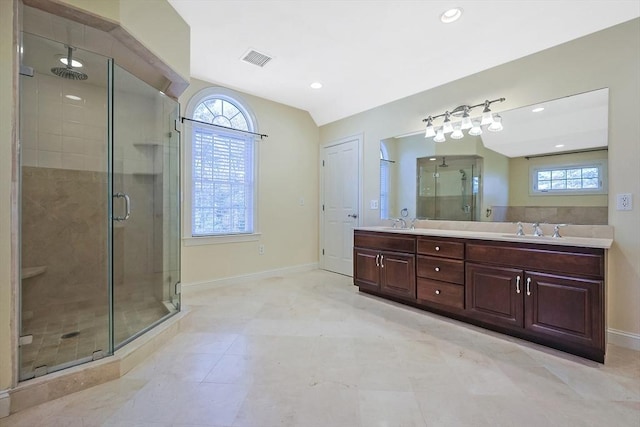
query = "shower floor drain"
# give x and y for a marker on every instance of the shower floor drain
(70, 335)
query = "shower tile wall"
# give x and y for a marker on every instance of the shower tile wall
(60, 132)
(64, 223)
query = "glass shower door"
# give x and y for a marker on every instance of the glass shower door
(145, 208)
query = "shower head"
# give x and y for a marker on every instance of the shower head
(464, 174)
(69, 72)
(444, 164)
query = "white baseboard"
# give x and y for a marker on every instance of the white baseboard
(623, 339)
(253, 276)
(5, 404)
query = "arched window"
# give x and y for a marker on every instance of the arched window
(221, 160)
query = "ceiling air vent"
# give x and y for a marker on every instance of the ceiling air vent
(256, 58)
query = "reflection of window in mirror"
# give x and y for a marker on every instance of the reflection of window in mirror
(565, 179)
(384, 181)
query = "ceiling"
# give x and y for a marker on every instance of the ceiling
(369, 53)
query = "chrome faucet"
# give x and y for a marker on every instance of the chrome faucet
(413, 223)
(403, 223)
(520, 231)
(537, 231)
(556, 230)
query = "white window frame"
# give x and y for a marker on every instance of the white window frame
(601, 164)
(241, 104)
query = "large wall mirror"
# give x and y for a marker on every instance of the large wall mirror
(548, 164)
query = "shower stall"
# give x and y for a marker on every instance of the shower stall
(449, 188)
(100, 216)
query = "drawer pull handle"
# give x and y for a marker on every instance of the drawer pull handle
(437, 269)
(377, 260)
(518, 284)
(382, 261)
(437, 291)
(437, 248)
(528, 285)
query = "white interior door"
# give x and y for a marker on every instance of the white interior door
(341, 204)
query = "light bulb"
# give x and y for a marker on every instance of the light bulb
(496, 126)
(439, 136)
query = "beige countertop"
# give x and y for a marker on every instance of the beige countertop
(586, 242)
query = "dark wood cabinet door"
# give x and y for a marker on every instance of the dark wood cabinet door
(567, 309)
(366, 272)
(495, 295)
(398, 274)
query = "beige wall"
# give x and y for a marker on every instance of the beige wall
(287, 171)
(609, 58)
(7, 113)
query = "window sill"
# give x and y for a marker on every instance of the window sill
(217, 240)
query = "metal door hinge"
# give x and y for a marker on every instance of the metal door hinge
(323, 252)
(178, 288)
(322, 208)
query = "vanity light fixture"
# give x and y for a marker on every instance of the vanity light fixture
(452, 125)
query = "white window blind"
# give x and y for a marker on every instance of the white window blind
(222, 182)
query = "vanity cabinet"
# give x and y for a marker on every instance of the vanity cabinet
(440, 273)
(552, 295)
(385, 264)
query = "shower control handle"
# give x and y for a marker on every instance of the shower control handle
(127, 204)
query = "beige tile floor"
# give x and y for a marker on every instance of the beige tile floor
(309, 350)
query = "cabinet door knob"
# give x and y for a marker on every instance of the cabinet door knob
(437, 291)
(437, 269)
(437, 248)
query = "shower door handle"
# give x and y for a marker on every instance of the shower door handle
(127, 204)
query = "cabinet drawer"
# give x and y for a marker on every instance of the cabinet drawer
(447, 270)
(581, 261)
(384, 241)
(441, 248)
(441, 293)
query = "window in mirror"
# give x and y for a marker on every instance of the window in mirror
(569, 179)
(385, 172)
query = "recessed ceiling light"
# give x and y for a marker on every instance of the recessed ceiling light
(74, 63)
(537, 109)
(73, 97)
(559, 145)
(432, 159)
(451, 15)
(316, 85)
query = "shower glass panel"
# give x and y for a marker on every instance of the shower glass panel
(100, 215)
(64, 210)
(145, 206)
(448, 190)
